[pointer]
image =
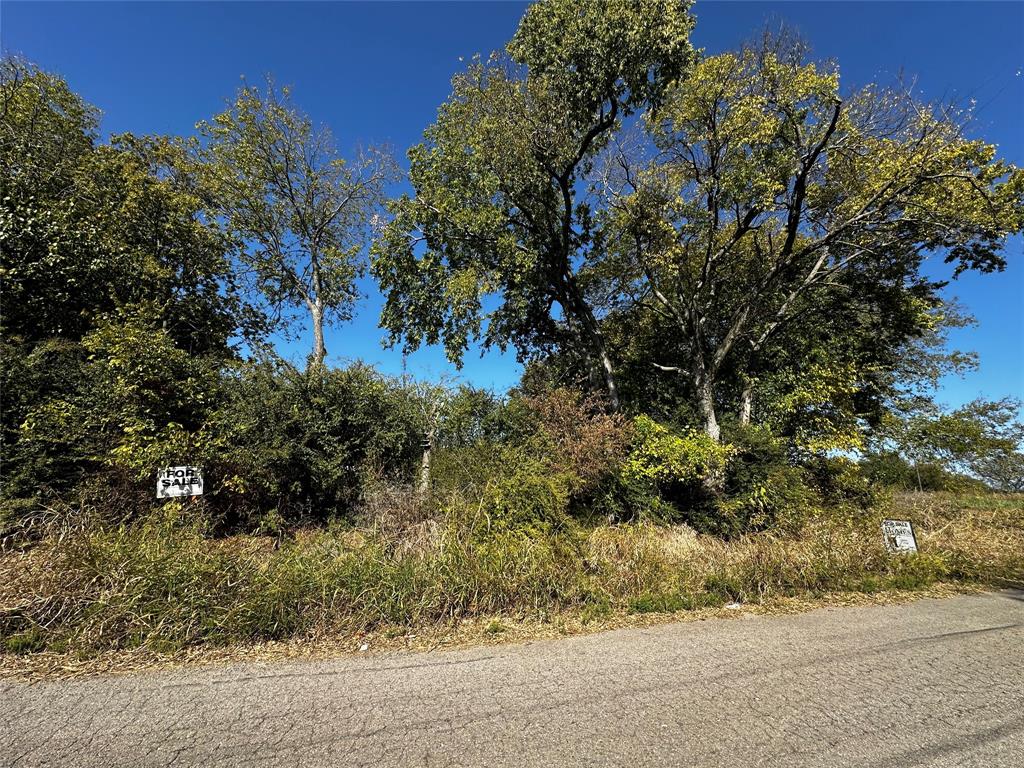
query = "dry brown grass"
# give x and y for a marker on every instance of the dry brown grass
(467, 633)
(103, 598)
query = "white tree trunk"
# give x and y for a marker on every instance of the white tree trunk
(746, 404)
(706, 400)
(319, 349)
(428, 448)
(609, 379)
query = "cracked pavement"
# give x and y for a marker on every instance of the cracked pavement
(929, 683)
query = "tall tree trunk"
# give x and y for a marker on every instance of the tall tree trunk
(707, 410)
(574, 303)
(609, 377)
(714, 481)
(314, 300)
(746, 404)
(319, 349)
(705, 385)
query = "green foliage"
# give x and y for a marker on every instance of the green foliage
(498, 211)
(298, 210)
(304, 444)
(527, 499)
(272, 440)
(561, 439)
(556, 452)
(775, 240)
(86, 229)
(662, 457)
(625, 52)
(762, 489)
(841, 481)
(472, 416)
(778, 499)
(120, 305)
(664, 476)
(126, 401)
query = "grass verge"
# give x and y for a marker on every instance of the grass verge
(161, 587)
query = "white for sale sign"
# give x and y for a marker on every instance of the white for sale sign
(179, 481)
(899, 536)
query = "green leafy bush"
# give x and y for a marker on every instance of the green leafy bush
(305, 443)
(762, 488)
(528, 498)
(663, 457)
(126, 400)
(555, 451)
(665, 474)
(840, 480)
(778, 499)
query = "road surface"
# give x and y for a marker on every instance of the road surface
(930, 683)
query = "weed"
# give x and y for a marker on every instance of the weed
(495, 627)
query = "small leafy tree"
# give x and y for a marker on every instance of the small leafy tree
(431, 402)
(298, 209)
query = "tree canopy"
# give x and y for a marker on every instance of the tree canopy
(712, 264)
(298, 210)
(772, 198)
(490, 245)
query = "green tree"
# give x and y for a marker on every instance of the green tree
(500, 215)
(771, 194)
(299, 210)
(119, 302)
(86, 228)
(982, 439)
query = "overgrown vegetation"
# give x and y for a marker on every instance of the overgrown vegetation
(731, 349)
(164, 584)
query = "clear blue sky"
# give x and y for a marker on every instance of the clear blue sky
(376, 72)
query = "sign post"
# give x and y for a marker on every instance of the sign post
(899, 536)
(179, 481)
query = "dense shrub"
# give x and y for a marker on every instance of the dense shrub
(527, 498)
(556, 449)
(665, 474)
(763, 488)
(106, 411)
(840, 480)
(29, 376)
(304, 444)
(576, 437)
(663, 457)
(275, 443)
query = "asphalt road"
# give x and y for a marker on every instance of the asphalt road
(930, 683)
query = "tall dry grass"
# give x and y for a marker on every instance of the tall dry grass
(164, 583)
